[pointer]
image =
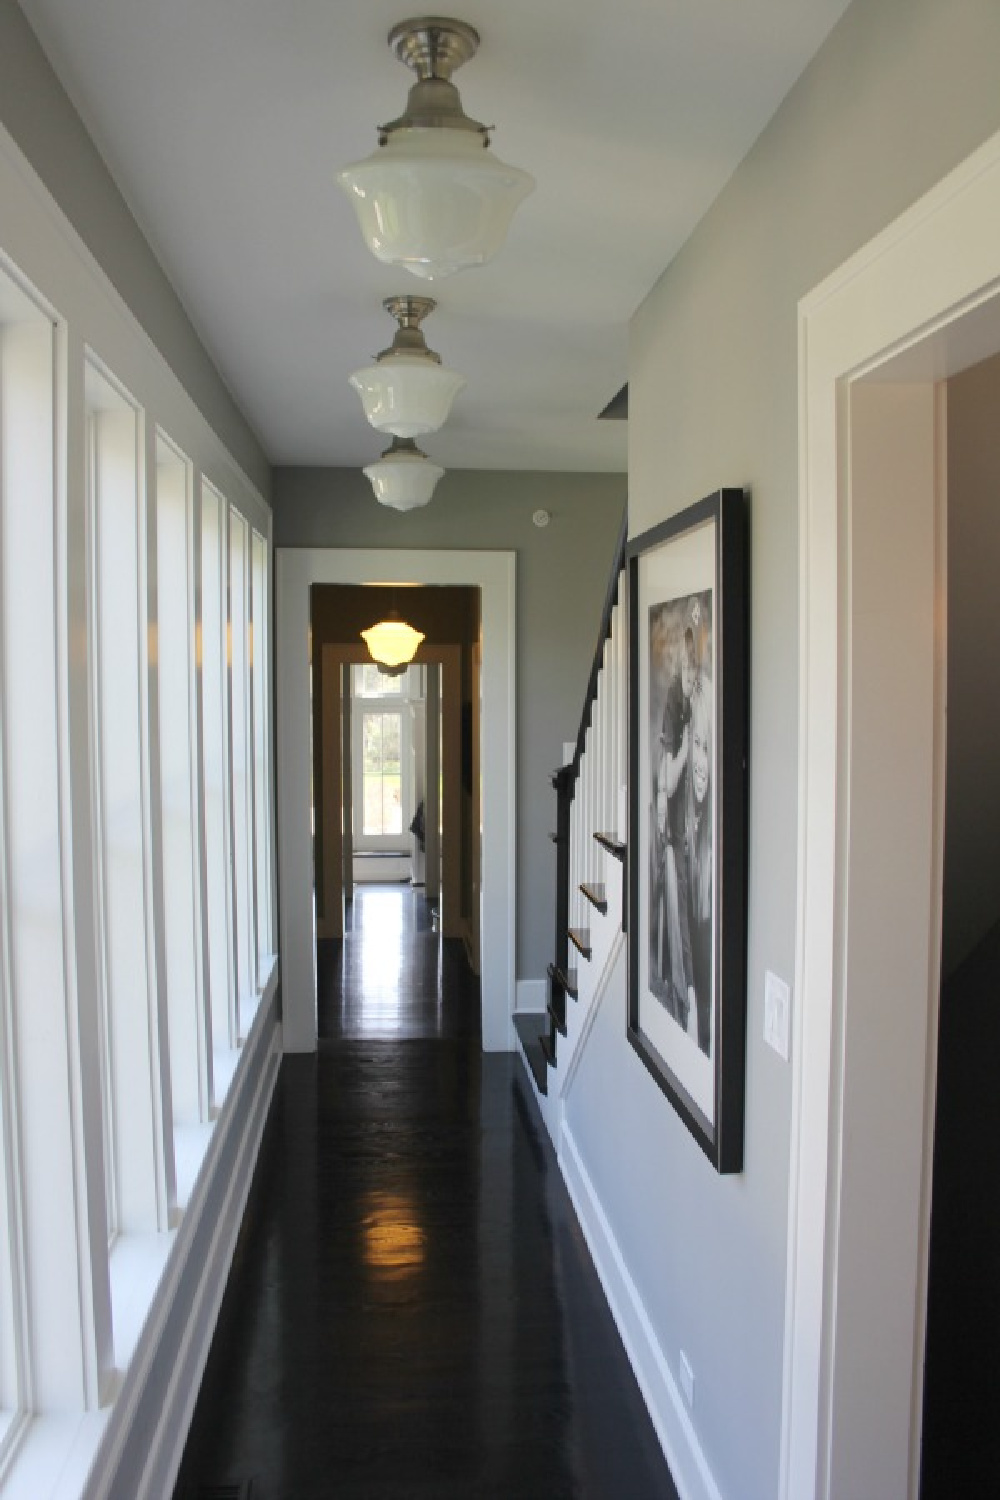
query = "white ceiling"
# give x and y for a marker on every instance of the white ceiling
(225, 121)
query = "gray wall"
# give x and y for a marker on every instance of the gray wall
(901, 92)
(562, 573)
(35, 109)
(972, 794)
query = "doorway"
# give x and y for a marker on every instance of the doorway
(365, 726)
(917, 305)
(960, 1450)
(297, 572)
(450, 816)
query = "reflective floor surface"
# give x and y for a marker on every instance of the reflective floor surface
(412, 1312)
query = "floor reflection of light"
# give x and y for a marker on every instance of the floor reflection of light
(393, 1240)
(382, 955)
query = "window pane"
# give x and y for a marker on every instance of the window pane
(117, 589)
(215, 769)
(392, 811)
(381, 741)
(241, 753)
(178, 800)
(260, 640)
(369, 682)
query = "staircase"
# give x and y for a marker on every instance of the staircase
(591, 865)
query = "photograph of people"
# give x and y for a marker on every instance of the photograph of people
(699, 856)
(680, 641)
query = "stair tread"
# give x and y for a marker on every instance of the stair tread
(531, 1027)
(567, 978)
(613, 844)
(596, 894)
(580, 938)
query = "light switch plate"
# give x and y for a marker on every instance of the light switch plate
(777, 1013)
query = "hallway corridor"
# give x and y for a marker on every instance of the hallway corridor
(412, 1313)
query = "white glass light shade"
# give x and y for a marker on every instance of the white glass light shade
(407, 394)
(434, 200)
(392, 642)
(403, 480)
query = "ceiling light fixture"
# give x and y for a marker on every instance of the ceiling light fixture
(392, 643)
(432, 198)
(403, 478)
(407, 391)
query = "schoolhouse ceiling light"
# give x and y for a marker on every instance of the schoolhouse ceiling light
(392, 642)
(433, 198)
(403, 477)
(407, 391)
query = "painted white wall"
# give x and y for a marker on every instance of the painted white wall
(971, 866)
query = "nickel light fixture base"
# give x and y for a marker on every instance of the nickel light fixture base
(407, 391)
(404, 477)
(433, 198)
(433, 47)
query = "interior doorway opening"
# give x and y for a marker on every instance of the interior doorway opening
(298, 570)
(915, 307)
(396, 776)
(960, 1450)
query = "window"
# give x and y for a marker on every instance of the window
(241, 753)
(134, 686)
(30, 914)
(215, 760)
(49, 1347)
(259, 659)
(190, 1055)
(381, 739)
(381, 751)
(138, 1157)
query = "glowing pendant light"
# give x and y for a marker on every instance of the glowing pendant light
(392, 643)
(433, 198)
(403, 477)
(407, 391)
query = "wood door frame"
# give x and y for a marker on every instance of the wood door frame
(297, 570)
(335, 656)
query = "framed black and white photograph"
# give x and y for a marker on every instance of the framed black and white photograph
(688, 716)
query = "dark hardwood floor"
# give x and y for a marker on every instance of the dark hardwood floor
(412, 1312)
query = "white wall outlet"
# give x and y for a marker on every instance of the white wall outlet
(777, 1013)
(687, 1379)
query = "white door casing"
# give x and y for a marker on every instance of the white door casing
(919, 303)
(296, 571)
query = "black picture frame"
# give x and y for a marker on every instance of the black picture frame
(688, 592)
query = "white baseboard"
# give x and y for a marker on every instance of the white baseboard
(178, 1409)
(670, 1416)
(381, 868)
(531, 995)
